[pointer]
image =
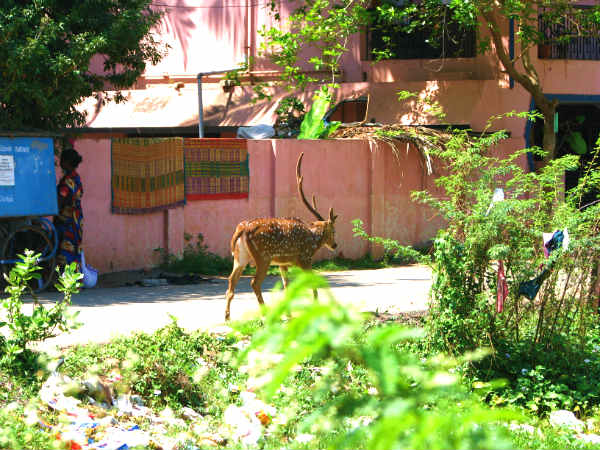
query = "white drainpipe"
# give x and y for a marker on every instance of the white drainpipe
(200, 111)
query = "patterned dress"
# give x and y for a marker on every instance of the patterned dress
(69, 222)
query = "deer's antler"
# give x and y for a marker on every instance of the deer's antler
(299, 178)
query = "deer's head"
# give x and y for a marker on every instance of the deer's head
(327, 226)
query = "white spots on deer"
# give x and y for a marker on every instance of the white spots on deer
(280, 241)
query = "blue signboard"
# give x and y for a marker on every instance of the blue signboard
(27, 177)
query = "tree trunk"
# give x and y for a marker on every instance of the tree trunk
(529, 79)
(549, 142)
(548, 110)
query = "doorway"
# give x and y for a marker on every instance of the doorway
(578, 131)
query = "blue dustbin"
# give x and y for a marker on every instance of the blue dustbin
(27, 177)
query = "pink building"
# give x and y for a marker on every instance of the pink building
(350, 176)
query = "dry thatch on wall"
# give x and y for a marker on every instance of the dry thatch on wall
(423, 138)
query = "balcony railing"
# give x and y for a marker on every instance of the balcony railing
(455, 43)
(575, 47)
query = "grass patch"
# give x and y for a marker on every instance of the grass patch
(364, 263)
(166, 368)
(197, 259)
(339, 264)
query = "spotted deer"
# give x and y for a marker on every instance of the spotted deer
(279, 241)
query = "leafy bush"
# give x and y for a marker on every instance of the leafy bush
(16, 431)
(164, 367)
(313, 126)
(403, 403)
(542, 381)
(481, 232)
(290, 113)
(42, 323)
(196, 259)
(340, 263)
(392, 251)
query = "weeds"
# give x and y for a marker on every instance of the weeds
(374, 394)
(43, 322)
(547, 309)
(195, 259)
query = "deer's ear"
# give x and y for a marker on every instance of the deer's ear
(331, 216)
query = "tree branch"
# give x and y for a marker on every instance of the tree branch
(531, 85)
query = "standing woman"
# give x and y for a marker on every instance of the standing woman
(69, 222)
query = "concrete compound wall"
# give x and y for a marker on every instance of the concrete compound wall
(358, 179)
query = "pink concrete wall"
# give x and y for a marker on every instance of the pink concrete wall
(113, 242)
(221, 34)
(359, 180)
(337, 174)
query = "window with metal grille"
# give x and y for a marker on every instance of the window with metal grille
(453, 42)
(575, 47)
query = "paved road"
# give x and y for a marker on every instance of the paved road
(110, 311)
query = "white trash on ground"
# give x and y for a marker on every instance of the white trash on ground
(109, 423)
(564, 418)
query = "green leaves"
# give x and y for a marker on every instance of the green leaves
(406, 402)
(313, 125)
(42, 322)
(319, 27)
(46, 55)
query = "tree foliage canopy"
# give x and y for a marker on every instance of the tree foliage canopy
(321, 25)
(46, 49)
(326, 25)
(494, 15)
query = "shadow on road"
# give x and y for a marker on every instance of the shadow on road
(215, 288)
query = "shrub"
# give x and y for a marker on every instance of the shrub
(196, 259)
(162, 367)
(405, 403)
(17, 431)
(480, 233)
(43, 322)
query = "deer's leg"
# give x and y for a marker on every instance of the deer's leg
(283, 270)
(240, 261)
(261, 272)
(307, 265)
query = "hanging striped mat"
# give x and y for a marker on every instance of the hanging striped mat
(147, 175)
(216, 168)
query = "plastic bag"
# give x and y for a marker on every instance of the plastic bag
(90, 275)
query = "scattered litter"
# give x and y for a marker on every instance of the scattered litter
(112, 423)
(497, 197)
(248, 420)
(221, 329)
(116, 420)
(522, 427)
(261, 131)
(241, 344)
(589, 438)
(190, 414)
(246, 427)
(564, 418)
(305, 438)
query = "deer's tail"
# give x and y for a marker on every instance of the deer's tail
(241, 228)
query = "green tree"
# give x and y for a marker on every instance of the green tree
(322, 27)
(46, 47)
(494, 15)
